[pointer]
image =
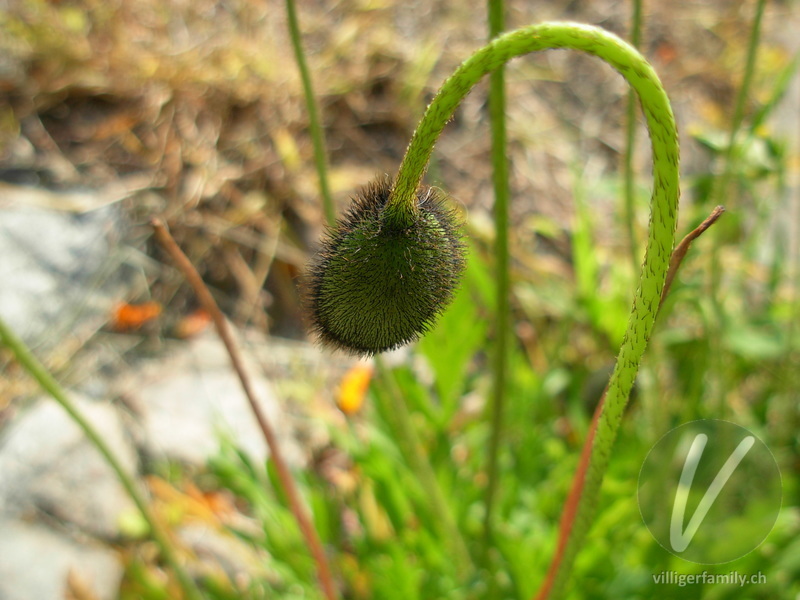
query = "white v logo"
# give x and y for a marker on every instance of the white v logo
(680, 540)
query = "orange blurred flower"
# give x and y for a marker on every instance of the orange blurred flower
(192, 324)
(353, 388)
(128, 317)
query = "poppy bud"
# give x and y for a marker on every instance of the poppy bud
(376, 284)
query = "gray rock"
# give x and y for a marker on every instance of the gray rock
(187, 401)
(60, 270)
(47, 464)
(35, 563)
(217, 550)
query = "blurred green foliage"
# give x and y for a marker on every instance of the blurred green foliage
(393, 550)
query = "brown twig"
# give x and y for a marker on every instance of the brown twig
(683, 247)
(284, 475)
(576, 490)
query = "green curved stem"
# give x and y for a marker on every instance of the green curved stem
(630, 142)
(317, 134)
(661, 236)
(48, 383)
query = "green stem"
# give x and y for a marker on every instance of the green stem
(317, 134)
(721, 193)
(741, 97)
(630, 143)
(48, 383)
(661, 236)
(497, 120)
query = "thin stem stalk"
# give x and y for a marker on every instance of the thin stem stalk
(630, 144)
(49, 384)
(500, 179)
(317, 133)
(721, 192)
(299, 511)
(741, 97)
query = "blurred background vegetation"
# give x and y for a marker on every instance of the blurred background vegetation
(195, 109)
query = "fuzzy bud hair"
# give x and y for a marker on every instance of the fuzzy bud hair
(373, 286)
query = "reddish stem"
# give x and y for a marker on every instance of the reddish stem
(571, 504)
(284, 475)
(576, 491)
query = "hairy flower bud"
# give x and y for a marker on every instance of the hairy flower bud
(375, 285)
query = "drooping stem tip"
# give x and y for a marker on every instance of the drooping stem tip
(368, 291)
